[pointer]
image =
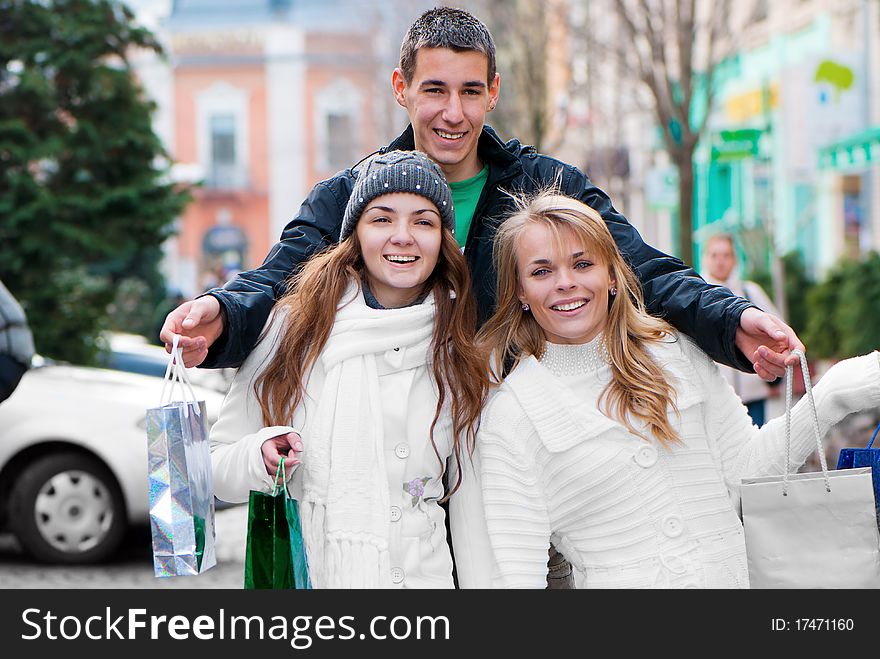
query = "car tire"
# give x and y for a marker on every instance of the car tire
(67, 509)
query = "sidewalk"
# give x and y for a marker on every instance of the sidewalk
(134, 568)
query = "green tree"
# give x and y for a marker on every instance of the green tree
(797, 287)
(85, 198)
(844, 317)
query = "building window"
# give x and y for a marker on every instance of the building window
(339, 127)
(340, 141)
(223, 163)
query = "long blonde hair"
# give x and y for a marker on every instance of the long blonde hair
(456, 364)
(639, 389)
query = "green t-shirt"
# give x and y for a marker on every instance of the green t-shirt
(465, 195)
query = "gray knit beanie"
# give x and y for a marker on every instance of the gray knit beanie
(397, 171)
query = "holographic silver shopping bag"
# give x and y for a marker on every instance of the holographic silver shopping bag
(181, 483)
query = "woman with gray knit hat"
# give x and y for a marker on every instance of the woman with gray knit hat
(367, 379)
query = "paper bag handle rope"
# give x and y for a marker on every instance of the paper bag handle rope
(280, 479)
(789, 376)
(874, 436)
(175, 374)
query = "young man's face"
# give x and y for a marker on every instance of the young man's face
(447, 101)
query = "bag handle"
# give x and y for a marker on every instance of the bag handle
(874, 436)
(789, 377)
(280, 479)
(175, 374)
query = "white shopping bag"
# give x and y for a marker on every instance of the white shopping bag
(811, 530)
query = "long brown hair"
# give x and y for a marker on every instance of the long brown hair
(456, 364)
(639, 389)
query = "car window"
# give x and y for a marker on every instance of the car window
(134, 363)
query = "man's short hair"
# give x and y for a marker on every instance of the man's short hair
(446, 27)
(721, 235)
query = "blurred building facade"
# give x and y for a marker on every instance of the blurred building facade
(259, 100)
(792, 151)
(790, 160)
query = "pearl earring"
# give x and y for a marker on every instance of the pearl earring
(525, 307)
(613, 291)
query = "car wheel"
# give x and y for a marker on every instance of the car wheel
(67, 508)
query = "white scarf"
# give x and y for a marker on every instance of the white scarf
(345, 505)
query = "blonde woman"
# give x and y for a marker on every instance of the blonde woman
(368, 376)
(613, 435)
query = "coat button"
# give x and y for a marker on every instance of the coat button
(672, 526)
(646, 456)
(673, 563)
(402, 450)
(395, 513)
(397, 575)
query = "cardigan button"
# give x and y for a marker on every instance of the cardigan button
(646, 456)
(673, 563)
(396, 513)
(402, 450)
(672, 526)
(397, 575)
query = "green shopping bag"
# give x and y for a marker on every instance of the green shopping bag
(276, 557)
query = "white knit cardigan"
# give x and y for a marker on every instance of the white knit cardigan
(624, 511)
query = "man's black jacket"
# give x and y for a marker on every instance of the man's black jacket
(709, 314)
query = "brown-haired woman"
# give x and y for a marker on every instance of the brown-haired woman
(612, 434)
(367, 375)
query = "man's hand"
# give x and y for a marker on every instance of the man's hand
(199, 323)
(279, 447)
(767, 342)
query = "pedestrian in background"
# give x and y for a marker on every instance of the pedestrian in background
(720, 266)
(16, 343)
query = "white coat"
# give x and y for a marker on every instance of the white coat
(419, 554)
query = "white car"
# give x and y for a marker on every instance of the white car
(73, 459)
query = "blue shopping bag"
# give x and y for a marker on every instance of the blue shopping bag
(850, 458)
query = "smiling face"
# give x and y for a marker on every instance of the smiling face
(399, 235)
(565, 285)
(447, 101)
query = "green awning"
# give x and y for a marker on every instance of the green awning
(858, 150)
